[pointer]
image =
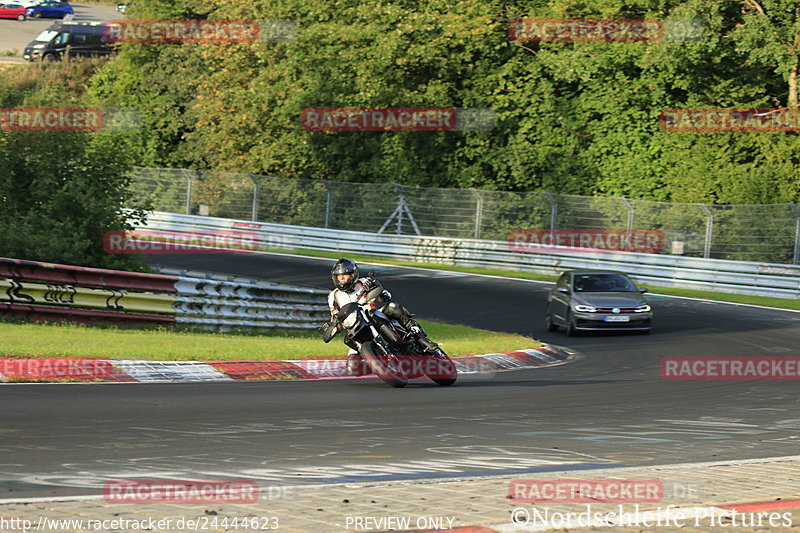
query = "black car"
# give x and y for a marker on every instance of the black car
(77, 39)
(597, 300)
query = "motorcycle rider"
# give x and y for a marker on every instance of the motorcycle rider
(349, 287)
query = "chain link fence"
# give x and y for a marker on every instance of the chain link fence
(766, 233)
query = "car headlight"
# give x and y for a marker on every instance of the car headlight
(643, 308)
(585, 308)
(38, 45)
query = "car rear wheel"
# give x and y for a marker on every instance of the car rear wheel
(20, 17)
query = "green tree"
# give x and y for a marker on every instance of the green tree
(572, 117)
(770, 36)
(58, 207)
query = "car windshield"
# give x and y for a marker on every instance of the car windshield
(603, 283)
(46, 36)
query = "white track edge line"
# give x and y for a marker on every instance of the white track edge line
(673, 466)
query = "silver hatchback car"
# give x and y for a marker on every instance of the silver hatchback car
(597, 300)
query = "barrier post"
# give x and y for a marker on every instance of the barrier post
(709, 230)
(796, 256)
(478, 212)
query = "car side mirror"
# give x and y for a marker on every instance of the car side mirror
(643, 289)
(563, 289)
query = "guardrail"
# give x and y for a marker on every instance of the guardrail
(48, 292)
(212, 301)
(742, 277)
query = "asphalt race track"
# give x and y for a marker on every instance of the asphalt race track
(607, 408)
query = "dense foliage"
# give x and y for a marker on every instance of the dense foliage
(60, 191)
(571, 117)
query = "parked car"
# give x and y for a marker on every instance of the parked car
(78, 39)
(597, 300)
(29, 3)
(122, 8)
(50, 9)
(12, 11)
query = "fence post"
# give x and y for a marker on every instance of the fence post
(188, 174)
(629, 230)
(256, 195)
(553, 215)
(478, 212)
(328, 201)
(709, 230)
(796, 256)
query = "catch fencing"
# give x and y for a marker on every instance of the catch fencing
(764, 279)
(46, 292)
(763, 233)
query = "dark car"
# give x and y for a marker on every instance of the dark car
(78, 39)
(597, 300)
(12, 11)
(50, 9)
(123, 7)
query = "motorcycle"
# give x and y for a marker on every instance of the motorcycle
(387, 347)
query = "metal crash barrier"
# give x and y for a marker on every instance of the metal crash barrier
(46, 292)
(742, 277)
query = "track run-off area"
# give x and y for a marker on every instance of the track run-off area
(608, 408)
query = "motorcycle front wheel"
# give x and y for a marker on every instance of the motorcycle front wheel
(441, 368)
(385, 366)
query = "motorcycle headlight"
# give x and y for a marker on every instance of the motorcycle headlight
(350, 320)
(585, 308)
(643, 308)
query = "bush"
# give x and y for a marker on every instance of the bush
(60, 192)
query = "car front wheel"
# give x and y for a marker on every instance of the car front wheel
(572, 331)
(548, 322)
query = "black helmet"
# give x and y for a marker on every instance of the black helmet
(344, 266)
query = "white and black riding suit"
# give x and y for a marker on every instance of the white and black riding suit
(338, 298)
(350, 288)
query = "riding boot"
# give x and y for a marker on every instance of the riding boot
(416, 330)
(404, 317)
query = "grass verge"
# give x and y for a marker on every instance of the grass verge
(76, 341)
(782, 303)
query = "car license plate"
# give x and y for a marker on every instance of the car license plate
(617, 318)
